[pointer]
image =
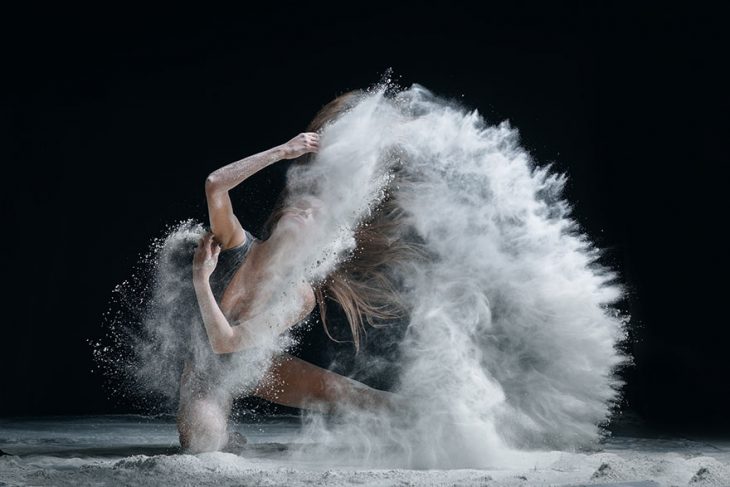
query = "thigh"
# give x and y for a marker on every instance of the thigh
(291, 381)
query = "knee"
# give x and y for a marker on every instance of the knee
(202, 427)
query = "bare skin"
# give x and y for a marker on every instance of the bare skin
(235, 322)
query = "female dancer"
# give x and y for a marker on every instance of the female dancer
(230, 270)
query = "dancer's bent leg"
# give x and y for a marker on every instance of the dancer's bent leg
(202, 419)
(291, 381)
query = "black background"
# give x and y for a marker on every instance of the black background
(112, 119)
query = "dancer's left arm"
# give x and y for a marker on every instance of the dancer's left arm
(223, 337)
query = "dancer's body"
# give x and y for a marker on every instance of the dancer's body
(204, 411)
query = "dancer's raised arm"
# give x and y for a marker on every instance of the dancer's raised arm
(223, 337)
(223, 223)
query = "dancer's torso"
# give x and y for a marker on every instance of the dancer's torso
(229, 283)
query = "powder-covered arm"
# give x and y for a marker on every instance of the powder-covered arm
(224, 224)
(233, 174)
(223, 337)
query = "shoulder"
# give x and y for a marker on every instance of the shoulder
(240, 245)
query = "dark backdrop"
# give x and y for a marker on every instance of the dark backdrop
(111, 121)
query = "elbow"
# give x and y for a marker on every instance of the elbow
(228, 345)
(220, 343)
(212, 184)
(222, 346)
(216, 184)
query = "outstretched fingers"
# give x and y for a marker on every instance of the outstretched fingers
(208, 248)
(212, 246)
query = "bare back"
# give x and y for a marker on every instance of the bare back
(242, 298)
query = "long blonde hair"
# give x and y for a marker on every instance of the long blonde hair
(365, 284)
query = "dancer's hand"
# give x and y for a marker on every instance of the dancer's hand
(301, 144)
(206, 257)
